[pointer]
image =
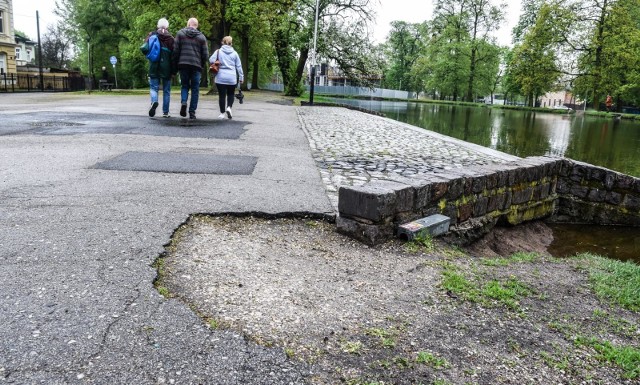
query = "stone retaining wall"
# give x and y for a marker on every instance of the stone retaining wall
(477, 199)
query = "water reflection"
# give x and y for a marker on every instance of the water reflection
(603, 142)
(621, 243)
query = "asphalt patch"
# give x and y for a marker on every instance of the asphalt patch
(181, 163)
(62, 123)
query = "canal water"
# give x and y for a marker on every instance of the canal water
(600, 141)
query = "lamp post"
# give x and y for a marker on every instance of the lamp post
(313, 61)
(39, 52)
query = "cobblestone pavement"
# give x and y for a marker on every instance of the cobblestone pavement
(352, 148)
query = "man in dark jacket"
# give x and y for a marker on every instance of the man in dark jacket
(189, 55)
(161, 70)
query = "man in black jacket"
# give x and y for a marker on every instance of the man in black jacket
(189, 55)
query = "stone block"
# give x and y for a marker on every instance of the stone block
(438, 188)
(465, 211)
(366, 233)
(579, 172)
(579, 191)
(455, 189)
(478, 184)
(480, 208)
(521, 195)
(563, 186)
(596, 195)
(624, 182)
(565, 168)
(613, 198)
(370, 202)
(632, 203)
(452, 212)
(496, 203)
(433, 225)
(492, 181)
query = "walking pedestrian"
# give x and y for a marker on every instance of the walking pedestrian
(228, 76)
(189, 55)
(609, 103)
(160, 71)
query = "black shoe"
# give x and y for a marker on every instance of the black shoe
(152, 110)
(183, 110)
(192, 115)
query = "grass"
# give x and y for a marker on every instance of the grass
(387, 338)
(520, 257)
(534, 109)
(352, 347)
(422, 243)
(506, 293)
(430, 359)
(626, 357)
(615, 281)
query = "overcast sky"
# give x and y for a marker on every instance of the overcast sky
(412, 11)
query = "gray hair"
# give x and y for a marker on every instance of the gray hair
(163, 23)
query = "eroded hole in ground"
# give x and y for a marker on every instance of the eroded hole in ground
(395, 313)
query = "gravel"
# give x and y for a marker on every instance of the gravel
(350, 313)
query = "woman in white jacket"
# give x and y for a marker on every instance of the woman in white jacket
(228, 76)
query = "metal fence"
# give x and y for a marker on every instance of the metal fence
(31, 82)
(349, 91)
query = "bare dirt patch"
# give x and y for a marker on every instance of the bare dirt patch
(394, 314)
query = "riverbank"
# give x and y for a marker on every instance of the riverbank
(407, 313)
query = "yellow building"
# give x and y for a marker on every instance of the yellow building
(7, 39)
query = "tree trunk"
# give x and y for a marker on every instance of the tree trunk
(254, 75)
(283, 56)
(293, 89)
(244, 57)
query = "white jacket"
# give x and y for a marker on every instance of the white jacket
(230, 66)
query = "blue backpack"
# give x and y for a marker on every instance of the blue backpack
(154, 49)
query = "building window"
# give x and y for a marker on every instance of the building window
(1, 21)
(28, 55)
(17, 53)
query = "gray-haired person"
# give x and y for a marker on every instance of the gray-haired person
(161, 70)
(190, 53)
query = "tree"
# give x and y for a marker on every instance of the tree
(96, 27)
(483, 18)
(404, 47)
(609, 61)
(340, 30)
(56, 47)
(533, 66)
(527, 19)
(447, 47)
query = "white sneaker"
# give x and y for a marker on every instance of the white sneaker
(229, 112)
(222, 116)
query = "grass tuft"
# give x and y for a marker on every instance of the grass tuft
(615, 281)
(626, 357)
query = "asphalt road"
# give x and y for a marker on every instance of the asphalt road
(91, 190)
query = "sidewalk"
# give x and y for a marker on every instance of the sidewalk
(77, 238)
(77, 243)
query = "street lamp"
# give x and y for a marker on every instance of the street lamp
(313, 61)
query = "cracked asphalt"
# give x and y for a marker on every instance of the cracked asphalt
(77, 243)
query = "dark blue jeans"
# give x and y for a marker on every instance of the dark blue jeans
(190, 80)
